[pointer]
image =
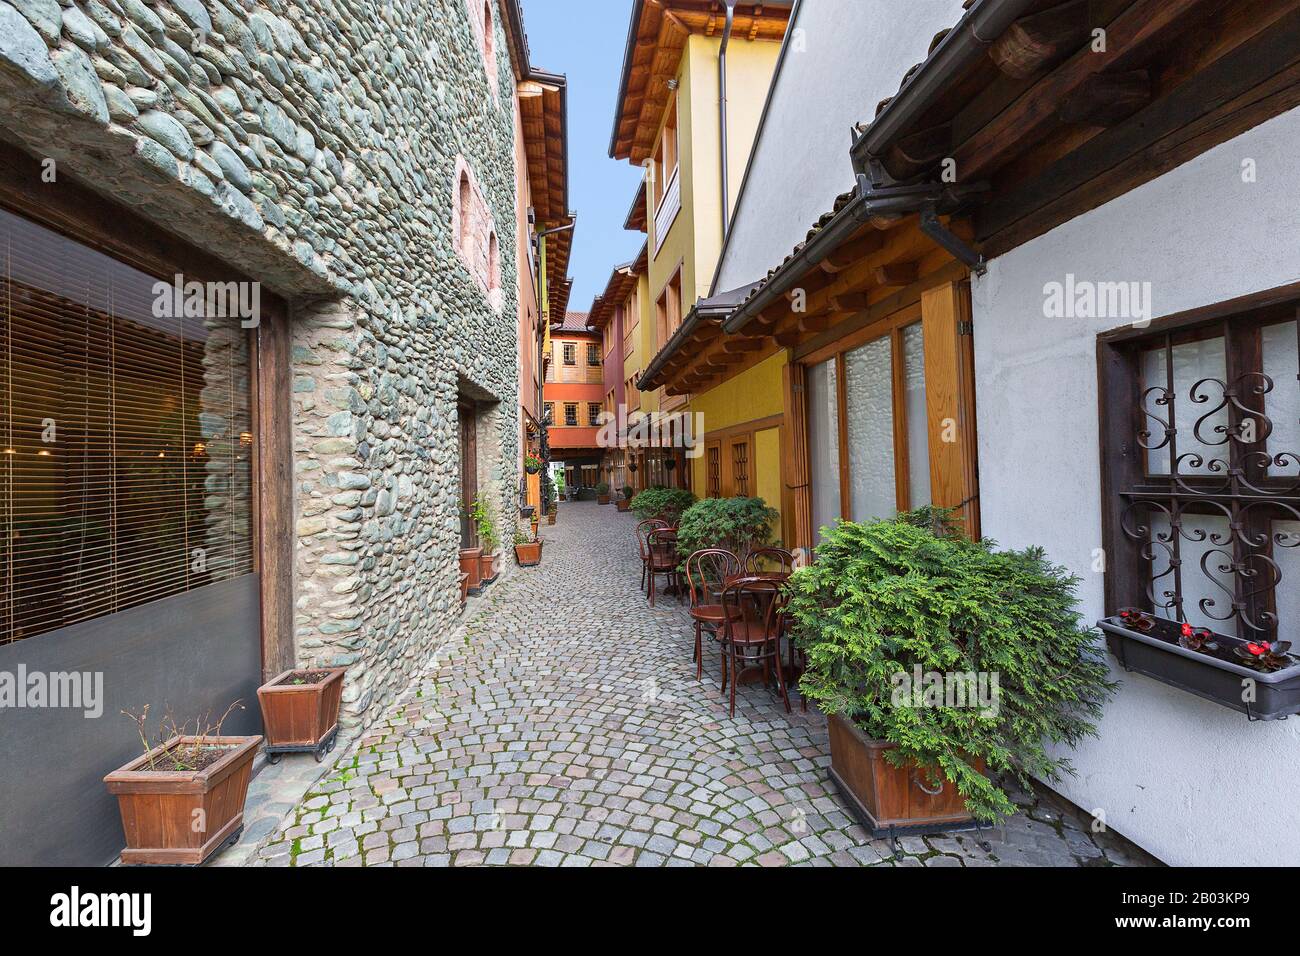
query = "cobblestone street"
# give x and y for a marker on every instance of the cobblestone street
(562, 725)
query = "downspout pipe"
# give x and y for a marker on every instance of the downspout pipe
(965, 43)
(722, 115)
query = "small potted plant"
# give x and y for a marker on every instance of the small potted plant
(937, 657)
(183, 798)
(300, 711)
(533, 464)
(602, 492)
(471, 562)
(625, 498)
(528, 551)
(485, 522)
(1254, 676)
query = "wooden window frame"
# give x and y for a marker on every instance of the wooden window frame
(571, 407)
(1126, 479)
(593, 352)
(944, 313)
(570, 352)
(87, 218)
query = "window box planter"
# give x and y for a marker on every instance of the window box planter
(888, 798)
(181, 817)
(471, 564)
(487, 569)
(1157, 653)
(529, 554)
(301, 717)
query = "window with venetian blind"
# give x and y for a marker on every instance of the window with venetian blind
(126, 439)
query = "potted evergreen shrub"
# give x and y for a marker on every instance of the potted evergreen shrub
(624, 498)
(937, 658)
(666, 504)
(602, 492)
(183, 798)
(485, 522)
(528, 551)
(741, 525)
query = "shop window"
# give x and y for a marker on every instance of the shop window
(127, 437)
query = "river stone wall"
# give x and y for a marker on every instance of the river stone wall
(313, 145)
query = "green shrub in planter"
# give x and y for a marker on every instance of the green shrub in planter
(666, 503)
(602, 487)
(738, 524)
(891, 598)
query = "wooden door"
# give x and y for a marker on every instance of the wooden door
(468, 473)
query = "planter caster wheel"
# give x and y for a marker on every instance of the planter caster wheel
(273, 758)
(320, 753)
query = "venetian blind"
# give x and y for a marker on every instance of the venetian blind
(126, 465)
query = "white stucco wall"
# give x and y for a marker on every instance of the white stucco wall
(843, 57)
(1180, 776)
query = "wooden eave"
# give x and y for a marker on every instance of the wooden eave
(620, 285)
(1056, 128)
(656, 37)
(886, 266)
(542, 116)
(636, 220)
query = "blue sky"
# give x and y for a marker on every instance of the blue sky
(584, 39)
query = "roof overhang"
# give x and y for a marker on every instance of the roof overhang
(620, 285)
(656, 36)
(636, 220)
(543, 108)
(1016, 96)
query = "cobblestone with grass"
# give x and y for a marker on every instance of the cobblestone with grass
(561, 725)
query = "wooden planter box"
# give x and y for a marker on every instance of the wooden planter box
(487, 568)
(624, 503)
(471, 565)
(529, 555)
(550, 517)
(886, 796)
(602, 499)
(301, 716)
(181, 817)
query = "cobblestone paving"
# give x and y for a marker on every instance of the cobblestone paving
(562, 725)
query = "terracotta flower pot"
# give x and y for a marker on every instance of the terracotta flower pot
(183, 816)
(885, 795)
(301, 716)
(471, 564)
(529, 554)
(487, 568)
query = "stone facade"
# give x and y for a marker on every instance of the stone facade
(313, 145)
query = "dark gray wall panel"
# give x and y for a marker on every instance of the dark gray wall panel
(191, 654)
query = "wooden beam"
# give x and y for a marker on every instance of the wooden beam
(1127, 37)
(1107, 98)
(814, 323)
(850, 301)
(741, 345)
(921, 150)
(786, 340)
(1035, 42)
(896, 274)
(1243, 88)
(853, 251)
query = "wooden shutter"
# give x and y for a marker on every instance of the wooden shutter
(950, 400)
